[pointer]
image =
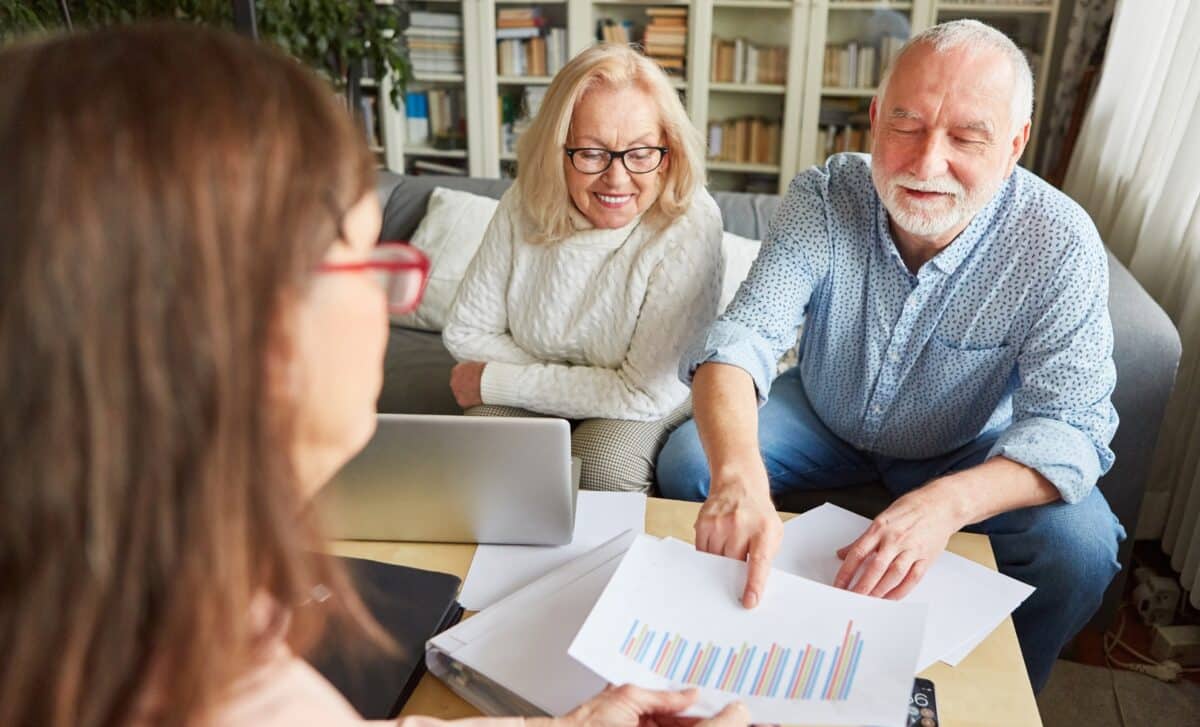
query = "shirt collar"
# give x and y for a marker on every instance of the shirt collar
(948, 260)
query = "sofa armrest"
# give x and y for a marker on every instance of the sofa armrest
(1146, 350)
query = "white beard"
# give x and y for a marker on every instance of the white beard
(935, 217)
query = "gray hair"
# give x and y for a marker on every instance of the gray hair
(976, 35)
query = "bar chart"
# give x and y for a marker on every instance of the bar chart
(774, 671)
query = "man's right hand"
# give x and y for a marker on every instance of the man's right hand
(738, 520)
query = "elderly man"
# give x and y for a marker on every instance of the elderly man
(957, 346)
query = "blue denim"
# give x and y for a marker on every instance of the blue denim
(1067, 551)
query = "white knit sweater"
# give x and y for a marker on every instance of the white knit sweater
(592, 326)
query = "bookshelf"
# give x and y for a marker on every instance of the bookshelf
(780, 50)
(1031, 24)
(751, 91)
(850, 43)
(430, 132)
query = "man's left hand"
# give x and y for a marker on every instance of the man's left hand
(465, 382)
(891, 557)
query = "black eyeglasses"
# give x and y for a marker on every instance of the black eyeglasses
(638, 160)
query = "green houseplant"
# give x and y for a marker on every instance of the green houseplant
(335, 37)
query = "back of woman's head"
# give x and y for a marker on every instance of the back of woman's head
(165, 190)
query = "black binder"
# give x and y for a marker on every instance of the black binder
(412, 605)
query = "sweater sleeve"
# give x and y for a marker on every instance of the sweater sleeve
(680, 301)
(477, 327)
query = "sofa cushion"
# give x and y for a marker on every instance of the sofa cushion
(405, 198)
(449, 234)
(416, 374)
(740, 253)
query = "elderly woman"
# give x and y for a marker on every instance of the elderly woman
(600, 263)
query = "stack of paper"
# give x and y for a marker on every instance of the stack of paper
(499, 570)
(657, 613)
(966, 600)
(670, 619)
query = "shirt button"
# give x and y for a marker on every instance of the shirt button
(877, 409)
(894, 357)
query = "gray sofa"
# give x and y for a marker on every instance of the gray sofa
(1147, 349)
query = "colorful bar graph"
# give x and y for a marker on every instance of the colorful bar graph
(774, 671)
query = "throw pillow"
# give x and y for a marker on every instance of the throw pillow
(740, 253)
(450, 235)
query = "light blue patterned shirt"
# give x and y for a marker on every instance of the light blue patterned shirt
(1005, 329)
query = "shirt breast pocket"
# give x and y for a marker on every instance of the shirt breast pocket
(963, 381)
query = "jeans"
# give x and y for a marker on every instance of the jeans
(1067, 552)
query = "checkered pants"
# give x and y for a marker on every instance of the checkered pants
(618, 454)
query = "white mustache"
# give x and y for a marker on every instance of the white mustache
(941, 185)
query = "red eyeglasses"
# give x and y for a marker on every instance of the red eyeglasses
(401, 270)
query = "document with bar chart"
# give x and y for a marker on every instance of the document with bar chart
(670, 618)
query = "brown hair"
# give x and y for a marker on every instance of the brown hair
(164, 190)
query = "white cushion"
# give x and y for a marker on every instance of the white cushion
(450, 234)
(740, 253)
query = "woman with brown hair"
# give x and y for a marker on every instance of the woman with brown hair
(189, 348)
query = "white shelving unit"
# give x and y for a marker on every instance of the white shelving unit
(1031, 25)
(762, 22)
(398, 152)
(837, 23)
(805, 27)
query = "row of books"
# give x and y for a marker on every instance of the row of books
(832, 139)
(665, 39)
(536, 56)
(857, 64)
(516, 111)
(615, 30)
(740, 61)
(434, 43)
(525, 22)
(747, 140)
(436, 117)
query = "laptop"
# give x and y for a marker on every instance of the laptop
(457, 479)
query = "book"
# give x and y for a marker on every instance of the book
(416, 111)
(518, 14)
(428, 19)
(523, 32)
(411, 32)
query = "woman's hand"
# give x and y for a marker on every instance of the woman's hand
(465, 381)
(630, 706)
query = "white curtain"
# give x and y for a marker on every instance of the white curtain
(1136, 170)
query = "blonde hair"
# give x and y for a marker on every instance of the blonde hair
(541, 179)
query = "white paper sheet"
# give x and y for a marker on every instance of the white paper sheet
(521, 642)
(499, 570)
(966, 600)
(671, 618)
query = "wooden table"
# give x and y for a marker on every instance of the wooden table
(989, 687)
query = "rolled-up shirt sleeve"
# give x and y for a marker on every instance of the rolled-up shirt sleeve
(1063, 417)
(763, 317)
